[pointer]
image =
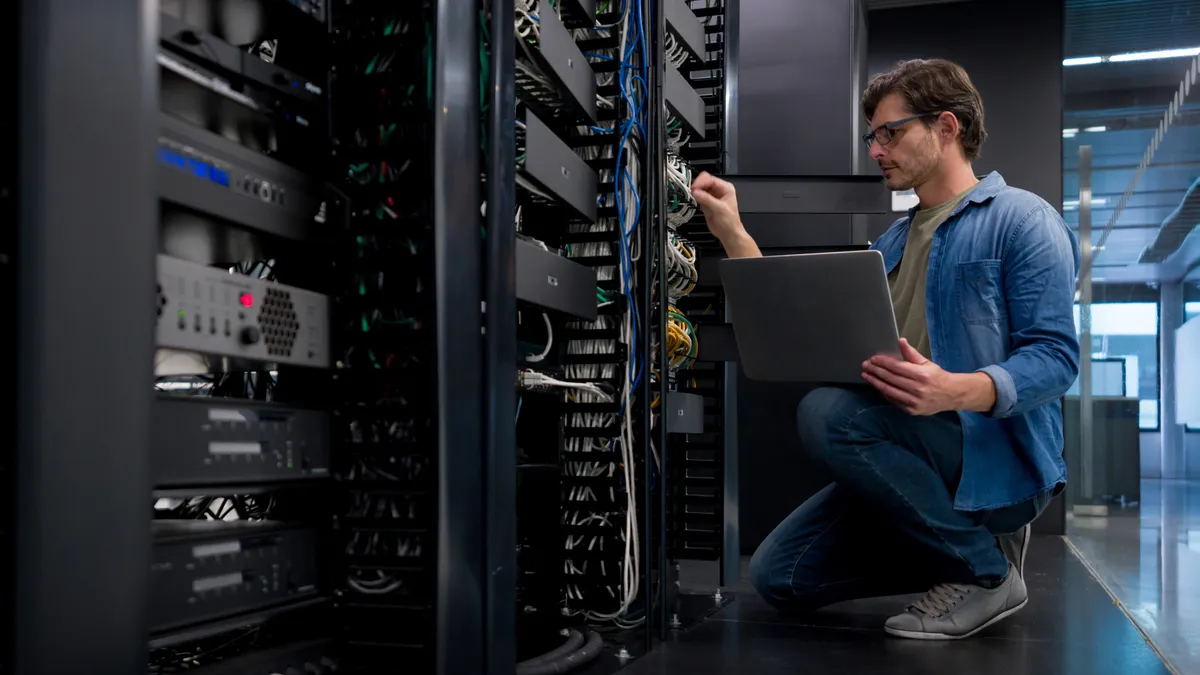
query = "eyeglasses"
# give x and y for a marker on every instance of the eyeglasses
(884, 132)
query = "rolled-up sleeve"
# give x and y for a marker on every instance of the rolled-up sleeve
(1040, 264)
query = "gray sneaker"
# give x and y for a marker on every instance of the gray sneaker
(1015, 546)
(957, 611)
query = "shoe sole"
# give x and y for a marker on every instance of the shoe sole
(916, 635)
(1024, 551)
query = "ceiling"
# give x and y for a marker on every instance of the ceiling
(892, 4)
(1097, 27)
(1129, 100)
(1100, 27)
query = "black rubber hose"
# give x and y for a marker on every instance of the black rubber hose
(566, 663)
(574, 642)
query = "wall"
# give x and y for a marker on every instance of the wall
(1016, 63)
(798, 65)
(1191, 454)
(1150, 451)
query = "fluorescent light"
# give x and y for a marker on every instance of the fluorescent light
(1159, 54)
(1072, 204)
(1096, 129)
(1070, 131)
(1133, 56)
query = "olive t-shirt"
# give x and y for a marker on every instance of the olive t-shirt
(907, 280)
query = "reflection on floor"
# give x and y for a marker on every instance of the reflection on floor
(1149, 556)
(1070, 627)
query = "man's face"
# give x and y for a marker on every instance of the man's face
(912, 155)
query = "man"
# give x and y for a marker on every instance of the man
(943, 458)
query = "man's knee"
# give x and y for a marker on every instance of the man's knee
(769, 579)
(778, 586)
(826, 414)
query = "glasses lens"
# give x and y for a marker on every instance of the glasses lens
(883, 135)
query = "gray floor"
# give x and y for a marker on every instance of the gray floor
(1070, 627)
(1149, 556)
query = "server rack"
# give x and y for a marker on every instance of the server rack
(8, 334)
(375, 179)
(85, 280)
(700, 506)
(91, 432)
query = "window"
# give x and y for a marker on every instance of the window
(1128, 332)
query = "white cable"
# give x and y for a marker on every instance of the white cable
(534, 358)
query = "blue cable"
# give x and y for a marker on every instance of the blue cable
(626, 81)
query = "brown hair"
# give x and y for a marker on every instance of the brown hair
(930, 86)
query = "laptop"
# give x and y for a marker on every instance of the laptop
(811, 318)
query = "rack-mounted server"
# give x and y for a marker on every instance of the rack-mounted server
(198, 441)
(210, 175)
(310, 657)
(196, 44)
(208, 570)
(211, 311)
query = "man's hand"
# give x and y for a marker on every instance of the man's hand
(920, 387)
(718, 200)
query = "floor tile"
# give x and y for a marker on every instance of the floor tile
(1149, 557)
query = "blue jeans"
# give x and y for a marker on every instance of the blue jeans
(887, 525)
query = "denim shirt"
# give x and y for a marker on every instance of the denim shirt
(1000, 293)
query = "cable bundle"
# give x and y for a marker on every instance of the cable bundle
(676, 55)
(681, 205)
(399, 547)
(680, 261)
(527, 24)
(234, 507)
(609, 458)
(682, 345)
(379, 583)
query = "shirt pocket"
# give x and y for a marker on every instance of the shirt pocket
(980, 291)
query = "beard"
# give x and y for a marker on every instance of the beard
(917, 169)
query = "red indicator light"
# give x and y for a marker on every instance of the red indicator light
(246, 299)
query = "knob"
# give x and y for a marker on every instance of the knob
(250, 335)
